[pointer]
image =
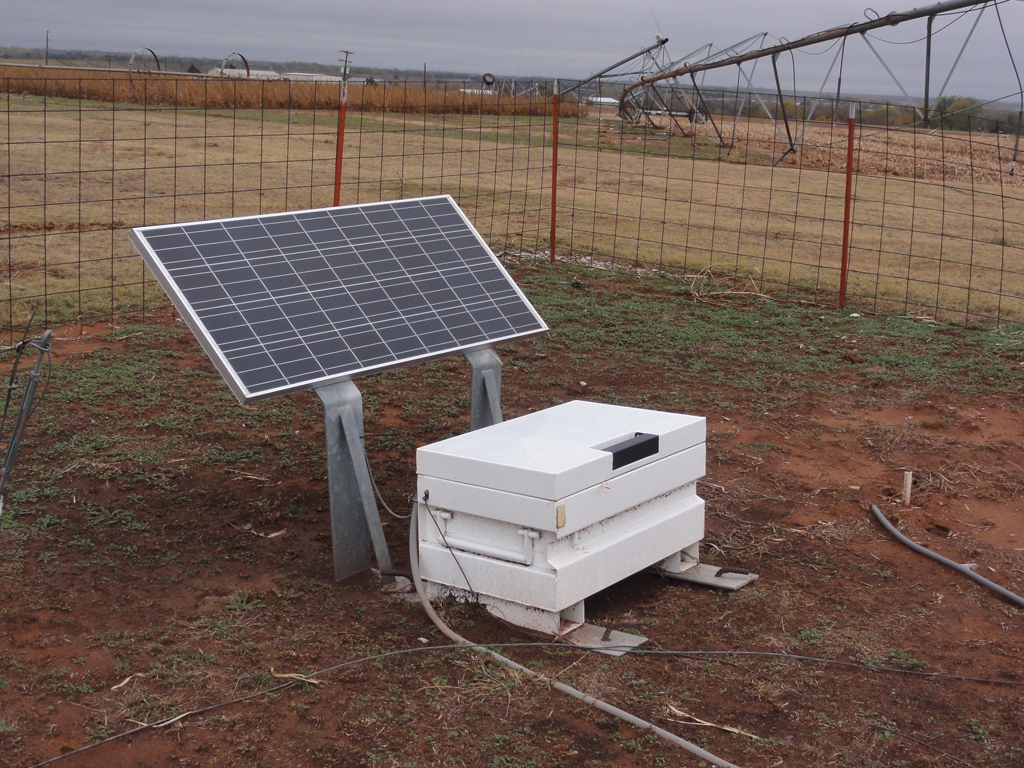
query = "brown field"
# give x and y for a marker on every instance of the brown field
(937, 225)
(203, 92)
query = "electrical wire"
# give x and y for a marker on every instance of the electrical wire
(376, 490)
(45, 351)
(822, 52)
(415, 524)
(19, 349)
(369, 468)
(958, 14)
(29, 402)
(1020, 112)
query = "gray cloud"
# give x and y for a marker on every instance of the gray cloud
(528, 37)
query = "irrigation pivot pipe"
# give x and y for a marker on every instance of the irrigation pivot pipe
(661, 42)
(889, 20)
(1001, 591)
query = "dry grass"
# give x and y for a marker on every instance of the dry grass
(908, 153)
(66, 201)
(77, 173)
(201, 92)
(916, 243)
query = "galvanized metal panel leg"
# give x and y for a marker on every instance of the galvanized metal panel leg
(354, 517)
(485, 401)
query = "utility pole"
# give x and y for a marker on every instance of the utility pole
(47, 47)
(344, 67)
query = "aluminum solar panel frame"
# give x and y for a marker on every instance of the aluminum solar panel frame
(289, 301)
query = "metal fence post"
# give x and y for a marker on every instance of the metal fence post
(849, 204)
(554, 167)
(340, 152)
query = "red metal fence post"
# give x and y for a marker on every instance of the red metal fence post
(849, 204)
(340, 152)
(554, 167)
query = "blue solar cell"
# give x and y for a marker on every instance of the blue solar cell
(289, 301)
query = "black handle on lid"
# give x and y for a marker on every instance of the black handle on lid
(635, 448)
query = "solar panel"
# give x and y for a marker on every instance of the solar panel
(288, 301)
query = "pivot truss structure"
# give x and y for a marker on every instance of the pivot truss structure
(654, 91)
(657, 100)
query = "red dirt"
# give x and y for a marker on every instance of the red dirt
(94, 644)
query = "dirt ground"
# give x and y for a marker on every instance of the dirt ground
(166, 552)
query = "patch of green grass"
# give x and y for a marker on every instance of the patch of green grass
(980, 731)
(905, 660)
(242, 602)
(773, 349)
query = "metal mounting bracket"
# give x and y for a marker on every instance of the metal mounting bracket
(610, 642)
(485, 400)
(684, 566)
(712, 576)
(355, 521)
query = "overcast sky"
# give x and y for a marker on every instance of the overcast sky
(566, 38)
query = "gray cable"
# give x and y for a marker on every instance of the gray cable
(414, 562)
(376, 490)
(1013, 598)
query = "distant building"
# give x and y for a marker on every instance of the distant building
(310, 77)
(252, 74)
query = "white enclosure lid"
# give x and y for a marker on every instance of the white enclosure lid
(556, 452)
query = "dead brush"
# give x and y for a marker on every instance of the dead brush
(832, 531)
(748, 542)
(952, 478)
(1010, 483)
(482, 681)
(889, 442)
(138, 705)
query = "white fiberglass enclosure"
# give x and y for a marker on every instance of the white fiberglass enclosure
(537, 513)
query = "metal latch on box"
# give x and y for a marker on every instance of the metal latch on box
(476, 548)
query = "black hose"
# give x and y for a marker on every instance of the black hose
(1013, 598)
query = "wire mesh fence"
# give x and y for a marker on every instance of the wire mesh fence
(936, 223)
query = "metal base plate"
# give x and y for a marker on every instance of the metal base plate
(701, 573)
(608, 641)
